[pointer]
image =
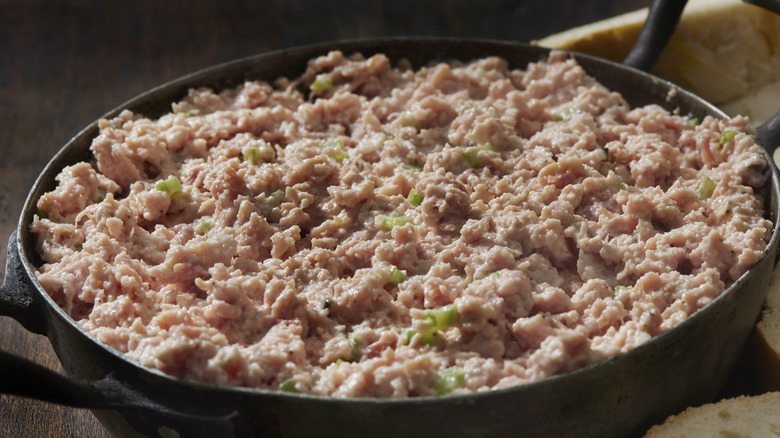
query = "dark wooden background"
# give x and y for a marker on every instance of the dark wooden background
(65, 63)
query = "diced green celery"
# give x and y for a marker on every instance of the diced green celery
(42, 214)
(524, 195)
(727, 136)
(621, 186)
(430, 337)
(567, 113)
(694, 122)
(252, 155)
(257, 152)
(415, 198)
(335, 149)
(275, 198)
(395, 275)
(706, 187)
(494, 276)
(471, 154)
(413, 168)
(407, 335)
(440, 319)
(388, 222)
(355, 355)
(288, 385)
(322, 83)
(437, 320)
(450, 380)
(172, 186)
(203, 227)
(101, 196)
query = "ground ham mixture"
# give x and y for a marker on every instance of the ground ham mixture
(367, 230)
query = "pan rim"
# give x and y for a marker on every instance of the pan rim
(26, 248)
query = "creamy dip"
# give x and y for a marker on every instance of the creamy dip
(398, 233)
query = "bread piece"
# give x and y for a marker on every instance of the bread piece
(759, 104)
(611, 38)
(740, 417)
(766, 343)
(725, 51)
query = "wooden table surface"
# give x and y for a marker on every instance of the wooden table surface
(65, 63)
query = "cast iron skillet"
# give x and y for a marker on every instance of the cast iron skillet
(619, 397)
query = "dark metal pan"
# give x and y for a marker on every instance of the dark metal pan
(619, 397)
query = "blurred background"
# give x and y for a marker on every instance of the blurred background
(65, 63)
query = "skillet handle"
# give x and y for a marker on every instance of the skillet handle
(25, 378)
(659, 26)
(17, 299)
(769, 5)
(769, 135)
(22, 377)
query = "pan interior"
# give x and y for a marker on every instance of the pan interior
(637, 88)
